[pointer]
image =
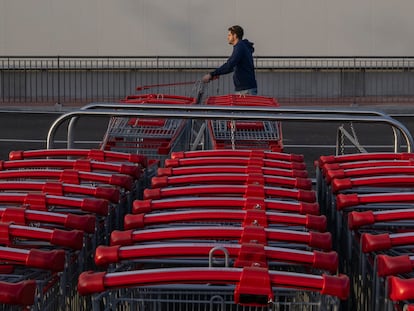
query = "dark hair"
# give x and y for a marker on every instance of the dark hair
(236, 29)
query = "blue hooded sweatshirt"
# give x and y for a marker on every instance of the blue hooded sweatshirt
(241, 62)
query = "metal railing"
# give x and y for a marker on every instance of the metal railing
(298, 80)
(232, 113)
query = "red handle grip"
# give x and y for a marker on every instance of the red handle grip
(389, 265)
(400, 289)
(21, 293)
(375, 242)
(122, 181)
(81, 222)
(72, 239)
(110, 194)
(53, 260)
(97, 206)
(357, 219)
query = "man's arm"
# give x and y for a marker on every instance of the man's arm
(226, 68)
(229, 65)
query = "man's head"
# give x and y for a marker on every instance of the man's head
(235, 34)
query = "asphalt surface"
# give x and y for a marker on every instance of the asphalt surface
(28, 129)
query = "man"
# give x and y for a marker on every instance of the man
(240, 61)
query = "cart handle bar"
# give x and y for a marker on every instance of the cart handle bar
(251, 282)
(147, 87)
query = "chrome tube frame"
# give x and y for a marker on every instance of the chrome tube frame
(232, 113)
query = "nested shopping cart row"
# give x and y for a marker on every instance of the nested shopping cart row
(241, 239)
(369, 204)
(157, 137)
(56, 207)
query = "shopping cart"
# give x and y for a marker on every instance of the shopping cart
(237, 134)
(154, 137)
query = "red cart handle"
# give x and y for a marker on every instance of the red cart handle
(147, 87)
(368, 171)
(245, 217)
(358, 219)
(208, 169)
(80, 164)
(71, 239)
(105, 255)
(237, 100)
(146, 206)
(239, 153)
(137, 122)
(158, 96)
(377, 242)
(21, 293)
(70, 176)
(44, 201)
(246, 234)
(165, 181)
(393, 265)
(375, 181)
(235, 161)
(367, 164)
(365, 157)
(71, 221)
(97, 282)
(400, 289)
(246, 125)
(58, 188)
(159, 99)
(220, 190)
(93, 154)
(53, 260)
(354, 199)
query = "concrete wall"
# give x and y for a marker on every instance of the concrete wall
(304, 86)
(199, 27)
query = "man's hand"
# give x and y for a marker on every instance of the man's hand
(207, 78)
